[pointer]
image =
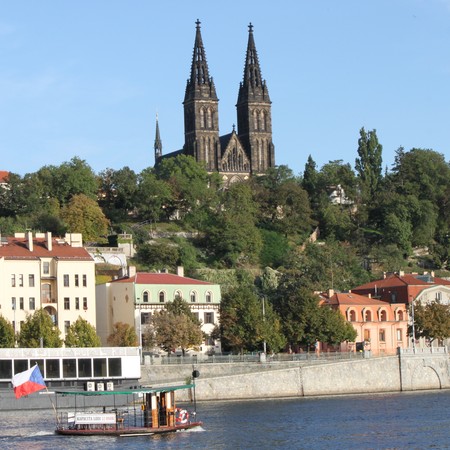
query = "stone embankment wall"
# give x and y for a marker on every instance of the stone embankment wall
(405, 372)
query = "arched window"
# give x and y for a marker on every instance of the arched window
(367, 315)
(145, 297)
(352, 315)
(208, 297)
(178, 294)
(255, 120)
(209, 118)
(262, 124)
(383, 315)
(162, 297)
(202, 118)
(400, 315)
(193, 296)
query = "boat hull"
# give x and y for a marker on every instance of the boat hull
(139, 431)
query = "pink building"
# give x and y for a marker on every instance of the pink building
(382, 327)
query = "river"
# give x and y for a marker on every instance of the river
(383, 421)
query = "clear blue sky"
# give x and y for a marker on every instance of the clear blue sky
(86, 78)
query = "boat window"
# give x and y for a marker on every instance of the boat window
(84, 367)
(20, 365)
(115, 367)
(69, 368)
(100, 367)
(5, 369)
(52, 368)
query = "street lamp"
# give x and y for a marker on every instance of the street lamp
(264, 329)
(413, 325)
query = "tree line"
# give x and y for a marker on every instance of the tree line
(181, 215)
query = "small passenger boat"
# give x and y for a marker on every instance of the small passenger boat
(148, 411)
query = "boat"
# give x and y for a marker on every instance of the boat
(148, 411)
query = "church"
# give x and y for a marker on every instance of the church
(236, 155)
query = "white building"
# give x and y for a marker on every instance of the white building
(41, 271)
(133, 300)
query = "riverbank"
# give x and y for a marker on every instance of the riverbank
(425, 370)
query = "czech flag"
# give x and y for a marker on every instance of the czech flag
(27, 382)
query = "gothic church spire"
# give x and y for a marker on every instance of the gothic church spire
(158, 143)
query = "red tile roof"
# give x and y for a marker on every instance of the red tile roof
(354, 299)
(16, 248)
(4, 176)
(404, 280)
(160, 278)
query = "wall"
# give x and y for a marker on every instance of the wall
(404, 372)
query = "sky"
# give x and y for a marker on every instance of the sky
(87, 78)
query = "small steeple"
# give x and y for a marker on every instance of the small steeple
(158, 143)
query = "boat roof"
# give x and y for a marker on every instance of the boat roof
(143, 390)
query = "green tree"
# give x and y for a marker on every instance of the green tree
(159, 255)
(39, 326)
(175, 327)
(7, 336)
(235, 239)
(82, 334)
(368, 165)
(123, 335)
(432, 321)
(83, 215)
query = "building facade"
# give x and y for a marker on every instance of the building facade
(40, 271)
(238, 154)
(381, 327)
(134, 299)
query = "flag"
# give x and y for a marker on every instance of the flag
(27, 382)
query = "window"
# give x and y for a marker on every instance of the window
(382, 335)
(21, 302)
(145, 318)
(77, 281)
(85, 303)
(178, 294)
(32, 303)
(400, 315)
(13, 280)
(162, 297)
(31, 280)
(66, 326)
(383, 316)
(438, 296)
(367, 335)
(208, 297)
(352, 316)
(193, 297)
(84, 280)
(13, 303)
(46, 293)
(66, 280)
(399, 335)
(66, 303)
(77, 302)
(145, 297)
(21, 280)
(368, 316)
(209, 317)
(46, 267)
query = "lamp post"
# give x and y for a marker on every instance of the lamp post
(264, 321)
(413, 326)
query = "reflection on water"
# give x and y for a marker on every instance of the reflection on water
(397, 421)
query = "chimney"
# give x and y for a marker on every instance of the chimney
(49, 241)
(180, 271)
(330, 293)
(369, 295)
(29, 237)
(131, 271)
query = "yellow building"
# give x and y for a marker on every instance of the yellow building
(40, 271)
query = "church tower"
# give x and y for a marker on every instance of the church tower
(254, 113)
(158, 143)
(201, 118)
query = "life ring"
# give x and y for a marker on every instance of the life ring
(183, 416)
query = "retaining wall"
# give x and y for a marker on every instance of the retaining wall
(405, 372)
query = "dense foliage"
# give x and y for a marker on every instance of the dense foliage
(38, 330)
(336, 226)
(82, 334)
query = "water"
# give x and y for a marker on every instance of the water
(391, 421)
